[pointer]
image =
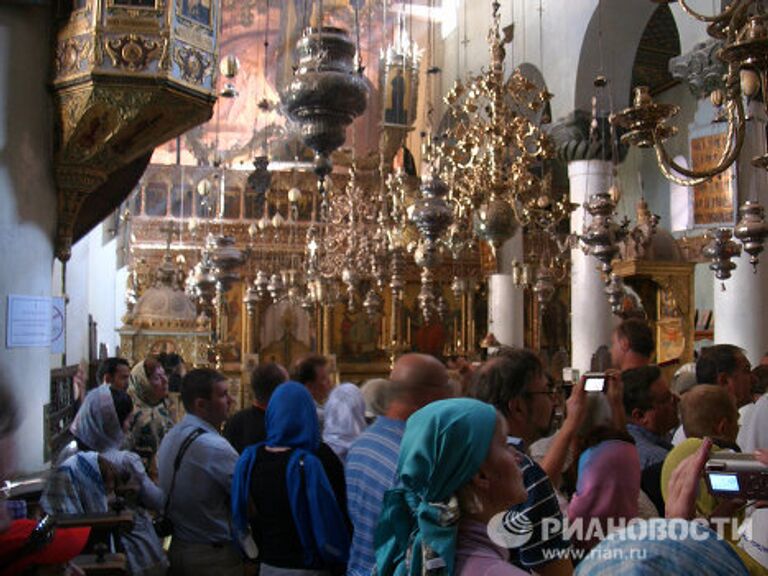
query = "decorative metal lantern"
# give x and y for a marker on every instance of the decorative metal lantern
(251, 299)
(752, 230)
(544, 287)
(426, 297)
(431, 215)
(614, 289)
(458, 286)
(275, 287)
(204, 280)
(373, 304)
(229, 67)
(603, 235)
(442, 308)
(261, 283)
(495, 222)
(226, 258)
(260, 179)
(351, 281)
(327, 92)
(720, 250)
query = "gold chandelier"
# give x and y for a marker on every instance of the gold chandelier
(493, 146)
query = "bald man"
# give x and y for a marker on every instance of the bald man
(709, 410)
(371, 466)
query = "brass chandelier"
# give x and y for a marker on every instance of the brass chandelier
(742, 28)
(493, 149)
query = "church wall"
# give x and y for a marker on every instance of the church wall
(93, 288)
(27, 217)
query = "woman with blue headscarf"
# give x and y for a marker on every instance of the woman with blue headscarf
(290, 494)
(457, 478)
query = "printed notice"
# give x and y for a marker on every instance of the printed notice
(29, 322)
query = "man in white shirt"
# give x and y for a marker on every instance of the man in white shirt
(199, 495)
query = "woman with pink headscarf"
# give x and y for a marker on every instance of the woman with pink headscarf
(607, 489)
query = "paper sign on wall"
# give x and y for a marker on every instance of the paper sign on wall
(29, 322)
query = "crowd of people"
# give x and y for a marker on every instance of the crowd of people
(430, 471)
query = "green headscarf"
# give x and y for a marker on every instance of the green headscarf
(443, 447)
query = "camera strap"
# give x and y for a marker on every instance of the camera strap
(177, 464)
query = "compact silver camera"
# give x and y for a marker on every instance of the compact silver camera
(733, 475)
(594, 382)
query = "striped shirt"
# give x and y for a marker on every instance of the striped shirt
(371, 470)
(541, 503)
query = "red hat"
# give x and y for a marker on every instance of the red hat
(65, 545)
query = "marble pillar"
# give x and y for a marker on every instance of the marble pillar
(591, 318)
(506, 302)
(741, 309)
(27, 209)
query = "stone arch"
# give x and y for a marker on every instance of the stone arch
(622, 25)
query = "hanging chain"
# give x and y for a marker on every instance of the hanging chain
(359, 66)
(264, 86)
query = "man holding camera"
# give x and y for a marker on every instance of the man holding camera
(515, 383)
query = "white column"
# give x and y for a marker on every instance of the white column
(27, 208)
(741, 313)
(591, 318)
(506, 302)
(740, 309)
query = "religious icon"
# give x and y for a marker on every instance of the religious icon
(197, 10)
(396, 112)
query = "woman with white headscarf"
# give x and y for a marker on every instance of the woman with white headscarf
(344, 418)
(83, 482)
(375, 392)
(152, 417)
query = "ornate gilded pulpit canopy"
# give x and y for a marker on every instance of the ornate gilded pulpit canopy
(128, 75)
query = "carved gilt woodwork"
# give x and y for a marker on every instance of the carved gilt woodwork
(125, 82)
(668, 298)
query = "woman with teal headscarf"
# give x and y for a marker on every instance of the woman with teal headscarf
(455, 475)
